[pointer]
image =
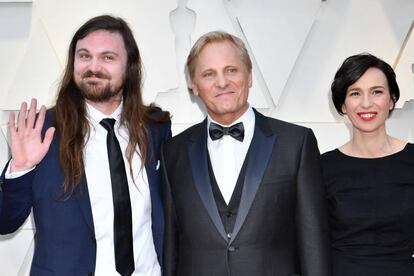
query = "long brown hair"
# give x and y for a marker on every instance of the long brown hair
(71, 120)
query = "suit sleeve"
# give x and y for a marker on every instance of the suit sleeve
(15, 201)
(311, 213)
(16, 196)
(171, 229)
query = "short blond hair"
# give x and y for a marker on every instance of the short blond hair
(212, 37)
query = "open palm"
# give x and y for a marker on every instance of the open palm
(27, 147)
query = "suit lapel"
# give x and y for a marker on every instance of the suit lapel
(82, 195)
(259, 155)
(85, 204)
(197, 150)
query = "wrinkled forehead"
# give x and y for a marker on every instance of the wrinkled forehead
(221, 54)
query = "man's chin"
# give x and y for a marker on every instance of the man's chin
(99, 96)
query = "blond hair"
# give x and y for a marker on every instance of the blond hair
(214, 37)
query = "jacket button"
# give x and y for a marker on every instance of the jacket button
(231, 248)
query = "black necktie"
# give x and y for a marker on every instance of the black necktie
(124, 254)
(217, 131)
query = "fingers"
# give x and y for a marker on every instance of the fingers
(21, 124)
(12, 122)
(26, 117)
(48, 137)
(40, 118)
(32, 114)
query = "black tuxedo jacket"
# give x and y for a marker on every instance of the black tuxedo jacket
(281, 225)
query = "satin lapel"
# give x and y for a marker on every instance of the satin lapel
(259, 155)
(85, 204)
(197, 150)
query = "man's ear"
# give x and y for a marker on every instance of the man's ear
(250, 79)
(194, 89)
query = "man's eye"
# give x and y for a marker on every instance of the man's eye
(84, 56)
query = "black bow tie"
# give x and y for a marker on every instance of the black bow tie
(217, 131)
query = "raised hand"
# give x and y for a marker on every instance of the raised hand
(27, 147)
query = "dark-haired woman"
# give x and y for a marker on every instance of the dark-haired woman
(370, 179)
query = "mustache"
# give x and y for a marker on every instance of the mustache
(97, 74)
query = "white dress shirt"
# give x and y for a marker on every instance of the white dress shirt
(100, 194)
(227, 154)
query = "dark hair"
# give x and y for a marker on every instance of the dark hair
(71, 121)
(352, 69)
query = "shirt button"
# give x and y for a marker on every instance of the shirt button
(229, 214)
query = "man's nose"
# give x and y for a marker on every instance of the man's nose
(222, 81)
(94, 65)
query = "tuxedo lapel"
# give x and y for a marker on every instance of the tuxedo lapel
(197, 150)
(259, 154)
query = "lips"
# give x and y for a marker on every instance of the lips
(224, 93)
(94, 75)
(367, 116)
(93, 79)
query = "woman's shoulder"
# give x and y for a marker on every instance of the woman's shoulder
(330, 154)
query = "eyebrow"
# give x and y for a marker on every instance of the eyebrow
(103, 53)
(373, 87)
(82, 50)
(378, 86)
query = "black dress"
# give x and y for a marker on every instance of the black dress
(371, 206)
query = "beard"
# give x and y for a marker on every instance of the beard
(97, 91)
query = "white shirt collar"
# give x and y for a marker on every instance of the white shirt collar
(248, 119)
(95, 116)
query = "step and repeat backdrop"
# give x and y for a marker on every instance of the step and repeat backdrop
(296, 47)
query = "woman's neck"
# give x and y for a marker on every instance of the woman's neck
(372, 145)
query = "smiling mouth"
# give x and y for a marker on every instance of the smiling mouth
(94, 75)
(93, 78)
(367, 116)
(225, 93)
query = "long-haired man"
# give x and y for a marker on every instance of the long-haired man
(88, 166)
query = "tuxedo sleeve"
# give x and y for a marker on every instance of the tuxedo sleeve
(170, 252)
(311, 213)
(15, 201)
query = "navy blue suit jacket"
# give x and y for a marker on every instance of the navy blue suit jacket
(65, 237)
